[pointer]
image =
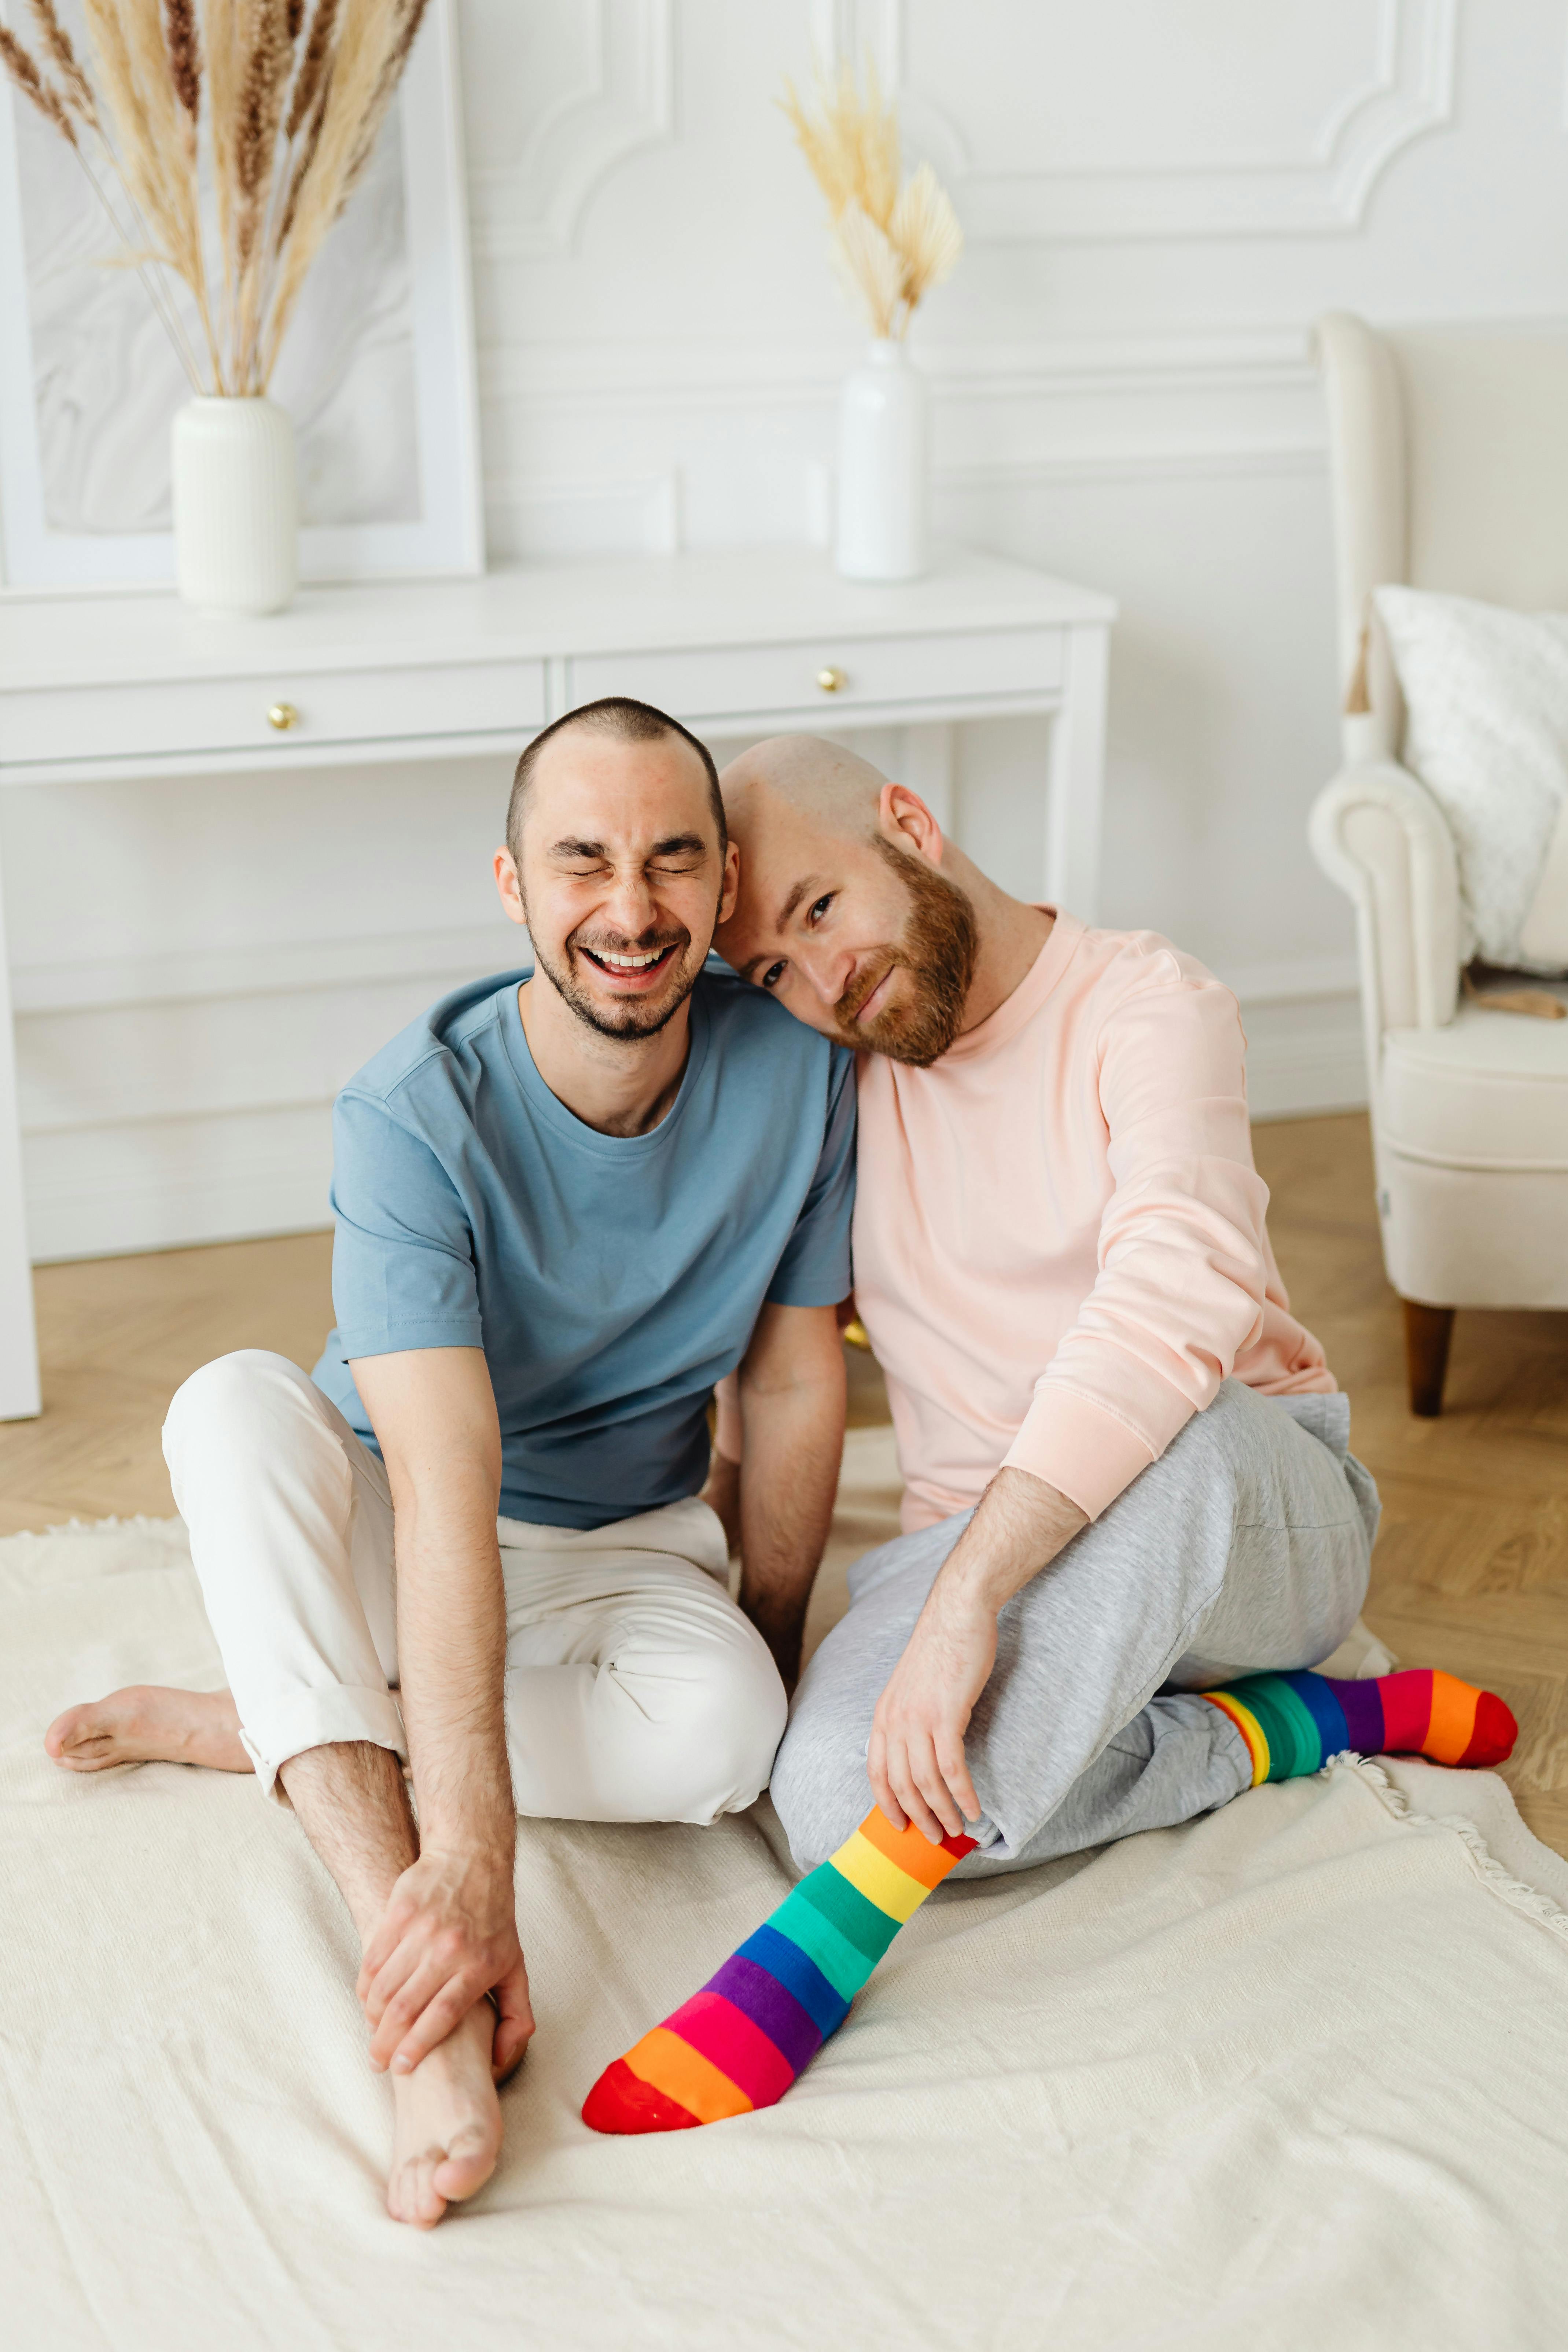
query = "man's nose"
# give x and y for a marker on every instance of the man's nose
(629, 906)
(827, 970)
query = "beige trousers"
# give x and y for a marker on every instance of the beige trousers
(636, 1690)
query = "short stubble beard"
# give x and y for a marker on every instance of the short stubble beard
(937, 947)
(637, 1021)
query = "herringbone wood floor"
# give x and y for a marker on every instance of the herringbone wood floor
(1471, 1567)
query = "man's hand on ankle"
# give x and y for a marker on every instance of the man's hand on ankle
(915, 1758)
(448, 1937)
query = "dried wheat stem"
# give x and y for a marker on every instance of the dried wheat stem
(32, 85)
(77, 91)
(293, 94)
(374, 39)
(163, 308)
(262, 92)
(184, 54)
(143, 129)
(890, 247)
(48, 100)
(314, 68)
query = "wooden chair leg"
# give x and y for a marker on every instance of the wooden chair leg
(1428, 1332)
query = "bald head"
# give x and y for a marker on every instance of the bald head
(843, 913)
(801, 776)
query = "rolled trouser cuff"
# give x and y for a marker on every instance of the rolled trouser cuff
(321, 1718)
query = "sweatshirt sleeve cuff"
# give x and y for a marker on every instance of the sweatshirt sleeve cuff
(1077, 1447)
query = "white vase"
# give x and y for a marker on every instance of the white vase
(237, 510)
(883, 467)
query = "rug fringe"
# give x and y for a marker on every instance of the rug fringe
(1516, 1892)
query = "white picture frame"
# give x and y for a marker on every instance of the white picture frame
(439, 530)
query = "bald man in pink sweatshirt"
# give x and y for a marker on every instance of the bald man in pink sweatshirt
(1126, 1469)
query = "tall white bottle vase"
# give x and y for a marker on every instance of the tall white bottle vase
(884, 468)
(236, 507)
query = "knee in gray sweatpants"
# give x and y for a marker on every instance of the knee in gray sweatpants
(1245, 1546)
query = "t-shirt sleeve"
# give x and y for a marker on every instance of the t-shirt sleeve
(815, 1268)
(403, 1256)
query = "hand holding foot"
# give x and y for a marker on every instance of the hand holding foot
(448, 1937)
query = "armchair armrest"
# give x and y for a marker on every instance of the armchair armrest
(1378, 833)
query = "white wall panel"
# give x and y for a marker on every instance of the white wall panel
(1160, 194)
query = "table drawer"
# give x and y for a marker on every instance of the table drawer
(731, 680)
(230, 714)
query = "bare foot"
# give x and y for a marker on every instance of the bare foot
(147, 1724)
(447, 2135)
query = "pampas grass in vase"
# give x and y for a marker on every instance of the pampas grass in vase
(890, 244)
(223, 138)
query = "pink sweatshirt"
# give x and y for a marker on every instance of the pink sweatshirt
(1060, 1240)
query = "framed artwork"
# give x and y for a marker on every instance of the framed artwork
(377, 369)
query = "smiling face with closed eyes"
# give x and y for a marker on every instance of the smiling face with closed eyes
(857, 933)
(621, 877)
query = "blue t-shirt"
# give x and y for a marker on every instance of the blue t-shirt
(611, 1280)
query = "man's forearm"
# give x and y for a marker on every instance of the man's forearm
(1018, 1529)
(789, 1476)
(451, 1640)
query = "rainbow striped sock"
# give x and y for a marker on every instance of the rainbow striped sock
(741, 2042)
(1293, 1722)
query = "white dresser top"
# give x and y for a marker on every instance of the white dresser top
(633, 603)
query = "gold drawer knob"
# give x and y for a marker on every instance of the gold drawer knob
(831, 681)
(282, 715)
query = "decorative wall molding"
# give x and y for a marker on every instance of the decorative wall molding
(656, 376)
(1303, 1060)
(170, 1182)
(529, 520)
(1298, 980)
(440, 958)
(1113, 463)
(1323, 191)
(625, 103)
(218, 974)
(175, 1183)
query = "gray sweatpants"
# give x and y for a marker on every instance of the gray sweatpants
(1245, 1546)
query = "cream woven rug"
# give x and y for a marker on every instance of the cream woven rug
(1295, 2075)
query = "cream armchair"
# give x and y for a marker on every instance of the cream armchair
(1449, 458)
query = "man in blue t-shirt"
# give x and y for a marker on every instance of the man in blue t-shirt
(568, 1202)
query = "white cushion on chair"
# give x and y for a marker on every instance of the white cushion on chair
(1486, 699)
(1488, 1091)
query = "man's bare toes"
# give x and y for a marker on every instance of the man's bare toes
(146, 1724)
(411, 2193)
(449, 2127)
(79, 1741)
(470, 2161)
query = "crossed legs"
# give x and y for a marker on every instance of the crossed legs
(1247, 1545)
(636, 1690)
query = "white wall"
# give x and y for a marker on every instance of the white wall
(1160, 195)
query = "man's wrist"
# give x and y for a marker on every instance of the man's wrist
(468, 1841)
(969, 1584)
(1020, 1526)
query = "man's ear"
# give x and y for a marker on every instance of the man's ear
(904, 817)
(730, 896)
(508, 883)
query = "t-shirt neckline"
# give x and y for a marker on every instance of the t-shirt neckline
(1000, 1027)
(566, 1123)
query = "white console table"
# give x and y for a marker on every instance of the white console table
(94, 689)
